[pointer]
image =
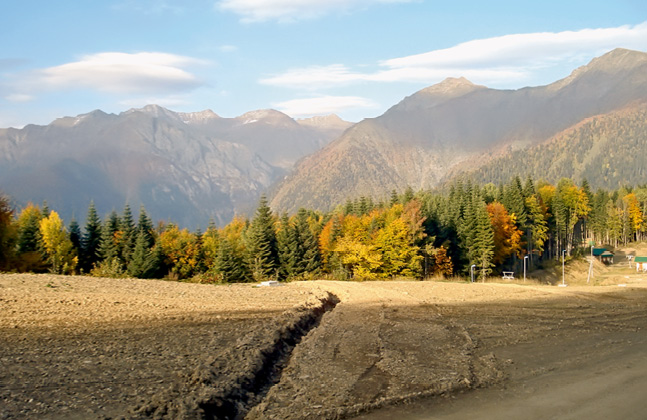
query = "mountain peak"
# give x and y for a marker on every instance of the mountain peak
(451, 86)
(154, 110)
(270, 116)
(198, 117)
(620, 59)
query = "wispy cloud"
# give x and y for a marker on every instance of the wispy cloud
(116, 72)
(323, 105)
(293, 10)
(507, 59)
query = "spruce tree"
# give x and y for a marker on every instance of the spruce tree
(128, 234)
(283, 244)
(309, 253)
(483, 251)
(145, 225)
(109, 247)
(230, 266)
(75, 235)
(28, 229)
(263, 256)
(91, 239)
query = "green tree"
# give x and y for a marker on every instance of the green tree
(91, 240)
(7, 234)
(262, 246)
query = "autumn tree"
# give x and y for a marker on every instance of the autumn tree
(506, 235)
(443, 263)
(57, 245)
(181, 249)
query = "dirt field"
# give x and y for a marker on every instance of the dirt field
(77, 347)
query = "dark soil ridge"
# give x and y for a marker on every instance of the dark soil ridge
(233, 382)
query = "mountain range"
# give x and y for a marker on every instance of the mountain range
(184, 167)
(192, 167)
(455, 127)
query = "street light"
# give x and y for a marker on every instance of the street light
(524, 268)
(563, 272)
(472, 272)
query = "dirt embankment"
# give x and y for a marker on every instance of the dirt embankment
(99, 348)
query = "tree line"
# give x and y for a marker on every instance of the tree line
(487, 228)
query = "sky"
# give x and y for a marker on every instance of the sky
(355, 58)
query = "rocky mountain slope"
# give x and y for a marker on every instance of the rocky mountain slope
(455, 126)
(184, 167)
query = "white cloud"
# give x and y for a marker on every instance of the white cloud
(322, 105)
(292, 10)
(228, 48)
(18, 97)
(509, 59)
(116, 72)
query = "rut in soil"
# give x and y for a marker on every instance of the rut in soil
(273, 359)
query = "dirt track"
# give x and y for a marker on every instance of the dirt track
(77, 347)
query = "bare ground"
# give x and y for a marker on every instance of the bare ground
(77, 347)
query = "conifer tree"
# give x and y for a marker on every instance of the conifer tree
(261, 243)
(230, 266)
(75, 235)
(284, 249)
(311, 258)
(7, 233)
(91, 239)
(128, 234)
(109, 245)
(28, 229)
(140, 258)
(145, 225)
(483, 251)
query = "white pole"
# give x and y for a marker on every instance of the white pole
(472, 272)
(563, 272)
(524, 268)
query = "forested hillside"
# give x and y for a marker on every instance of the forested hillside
(606, 150)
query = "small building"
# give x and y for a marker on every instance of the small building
(641, 263)
(606, 257)
(597, 252)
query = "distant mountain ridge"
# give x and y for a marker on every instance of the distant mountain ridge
(456, 126)
(184, 167)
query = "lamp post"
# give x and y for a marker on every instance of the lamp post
(563, 271)
(472, 272)
(524, 268)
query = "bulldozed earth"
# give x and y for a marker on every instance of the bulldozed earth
(93, 348)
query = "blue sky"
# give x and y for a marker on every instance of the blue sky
(355, 58)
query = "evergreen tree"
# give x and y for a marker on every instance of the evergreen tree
(145, 225)
(230, 266)
(284, 249)
(394, 198)
(91, 239)
(261, 243)
(483, 251)
(109, 245)
(529, 187)
(309, 253)
(7, 234)
(128, 234)
(75, 235)
(140, 258)
(28, 229)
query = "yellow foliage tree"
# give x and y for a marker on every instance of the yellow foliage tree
(57, 244)
(182, 250)
(507, 237)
